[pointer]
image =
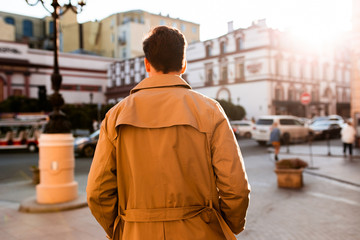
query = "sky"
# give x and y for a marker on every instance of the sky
(313, 20)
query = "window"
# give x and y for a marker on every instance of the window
(182, 27)
(208, 50)
(10, 20)
(194, 29)
(314, 95)
(239, 43)
(222, 47)
(174, 25)
(264, 122)
(27, 28)
(51, 27)
(279, 93)
(224, 74)
(291, 94)
(240, 69)
(289, 122)
(162, 22)
(209, 76)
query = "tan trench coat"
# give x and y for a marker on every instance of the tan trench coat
(167, 166)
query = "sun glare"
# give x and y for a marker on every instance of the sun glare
(317, 23)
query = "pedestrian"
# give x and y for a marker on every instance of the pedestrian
(275, 139)
(95, 125)
(167, 165)
(348, 134)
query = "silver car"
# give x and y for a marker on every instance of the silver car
(85, 146)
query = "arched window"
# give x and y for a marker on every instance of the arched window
(239, 44)
(222, 47)
(10, 20)
(27, 28)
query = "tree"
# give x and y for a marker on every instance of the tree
(234, 112)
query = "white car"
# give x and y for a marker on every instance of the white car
(292, 129)
(242, 128)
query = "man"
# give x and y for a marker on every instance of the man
(348, 135)
(167, 165)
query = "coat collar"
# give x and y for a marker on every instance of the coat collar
(164, 80)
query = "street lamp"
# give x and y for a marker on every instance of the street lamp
(58, 122)
(56, 145)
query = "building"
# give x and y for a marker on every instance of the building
(25, 29)
(355, 76)
(38, 33)
(266, 71)
(26, 71)
(120, 35)
(123, 76)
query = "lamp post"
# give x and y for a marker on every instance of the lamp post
(56, 144)
(58, 122)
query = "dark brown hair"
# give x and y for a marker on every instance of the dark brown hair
(164, 48)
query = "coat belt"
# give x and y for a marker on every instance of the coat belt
(174, 214)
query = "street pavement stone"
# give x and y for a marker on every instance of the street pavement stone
(325, 208)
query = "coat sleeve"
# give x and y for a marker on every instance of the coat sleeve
(231, 178)
(102, 186)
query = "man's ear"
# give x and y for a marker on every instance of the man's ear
(147, 65)
(184, 67)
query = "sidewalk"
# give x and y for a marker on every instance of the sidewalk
(79, 223)
(328, 162)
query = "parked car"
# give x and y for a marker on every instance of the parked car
(326, 129)
(292, 129)
(242, 128)
(85, 146)
(334, 118)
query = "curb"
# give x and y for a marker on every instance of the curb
(30, 205)
(331, 178)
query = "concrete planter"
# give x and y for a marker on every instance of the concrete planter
(289, 173)
(289, 178)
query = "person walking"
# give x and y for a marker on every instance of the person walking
(348, 134)
(167, 164)
(275, 139)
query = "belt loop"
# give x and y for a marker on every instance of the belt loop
(210, 204)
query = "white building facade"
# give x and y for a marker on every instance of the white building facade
(266, 72)
(23, 71)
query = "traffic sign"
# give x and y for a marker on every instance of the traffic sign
(305, 98)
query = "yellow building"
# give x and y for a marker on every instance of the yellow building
(120, 35)
(24, 29)
(8, 31)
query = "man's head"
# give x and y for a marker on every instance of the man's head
(164, 49)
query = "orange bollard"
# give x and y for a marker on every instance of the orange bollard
(56, 165)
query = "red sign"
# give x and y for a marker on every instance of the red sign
(305, 98)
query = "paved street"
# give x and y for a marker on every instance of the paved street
(327, 207)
